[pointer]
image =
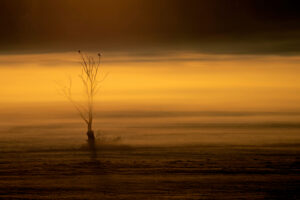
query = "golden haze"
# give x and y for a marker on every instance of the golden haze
(183, 80)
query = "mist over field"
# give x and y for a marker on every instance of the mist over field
(59, 128)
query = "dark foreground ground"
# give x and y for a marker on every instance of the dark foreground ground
(187, 172)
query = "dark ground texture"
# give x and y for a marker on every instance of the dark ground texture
(127, 172)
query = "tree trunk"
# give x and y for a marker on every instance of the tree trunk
(90, 133)
(91, 140)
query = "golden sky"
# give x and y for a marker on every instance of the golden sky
(184, 80)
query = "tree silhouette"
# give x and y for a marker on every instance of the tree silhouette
(90, 80)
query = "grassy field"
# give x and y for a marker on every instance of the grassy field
(124, 172)
(151, 155)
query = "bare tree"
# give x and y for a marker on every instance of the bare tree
(90, 79)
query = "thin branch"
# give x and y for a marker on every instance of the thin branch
(89, 78)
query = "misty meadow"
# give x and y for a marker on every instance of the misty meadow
(164, 99)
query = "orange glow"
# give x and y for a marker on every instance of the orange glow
(182, 80)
